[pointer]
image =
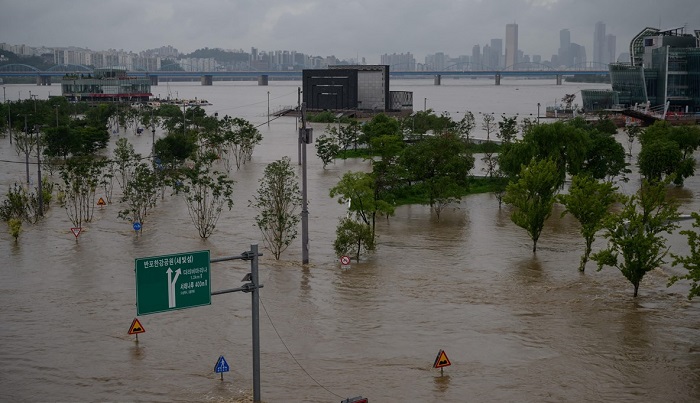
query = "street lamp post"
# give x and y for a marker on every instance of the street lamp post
(538, 112)
(184, 118)
(337, 118)
(153, 139)
(268, 108)
(38, 170)
(9, 119)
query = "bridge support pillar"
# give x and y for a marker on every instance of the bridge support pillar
(498, 79)
(437, 80)
(558, 79)
(43, 80)
(207, 79)
(154, 79)
(263, 79)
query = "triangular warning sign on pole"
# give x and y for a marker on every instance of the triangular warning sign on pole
(441, 360)
(76, 231)
(136, 327)
(101, 202)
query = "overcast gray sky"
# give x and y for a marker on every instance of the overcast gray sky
(344, 28)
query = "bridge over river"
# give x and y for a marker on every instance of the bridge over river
(44, 77)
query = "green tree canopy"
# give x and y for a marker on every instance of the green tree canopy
(635, 246)
(277, 203)
(668, 150)
(589, 202)
(532, 196)
(359, 189)
(692, 261)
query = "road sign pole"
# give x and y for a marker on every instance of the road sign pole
(256, 323)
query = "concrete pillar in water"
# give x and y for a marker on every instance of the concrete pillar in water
(262, 79)
(558, 79)
(207, 79)
(498, 79)
(438, 79)
(154, 79)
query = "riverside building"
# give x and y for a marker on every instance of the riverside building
(106, 85)
(662, 75)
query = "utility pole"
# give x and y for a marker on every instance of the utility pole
(253, 286)
(268, 108)
(26, 146)
(299, 110)
(305, 137)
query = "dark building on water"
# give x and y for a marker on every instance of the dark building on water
(360, 88)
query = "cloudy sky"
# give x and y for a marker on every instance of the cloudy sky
(344, 28)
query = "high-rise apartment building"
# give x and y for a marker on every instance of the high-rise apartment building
(476, 58)
(399, 62)
(496, 57)
(511, 45)
(610, 45)
(564, 54)
(599, 42)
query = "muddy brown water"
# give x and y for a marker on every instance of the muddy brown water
(515, 326)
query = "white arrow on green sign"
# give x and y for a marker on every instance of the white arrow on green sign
(170, 282)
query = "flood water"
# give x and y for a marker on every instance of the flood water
(515, 326)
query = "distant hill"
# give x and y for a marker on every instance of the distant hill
(34, 61)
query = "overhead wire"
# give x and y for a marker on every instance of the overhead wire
(292, 355)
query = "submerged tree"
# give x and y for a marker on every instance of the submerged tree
(81, 176)
(634, 233)
(489, 124)
(533, 197)
(507, 129)
(691, 262)
(327, 147)
(125, 161)
(439, 167)
(360, 190)
(633, 132)
(240, 139)
(206, 192)
(352, 238)
(15, 209)
(589, 201)
(464, 127)
(667, 151)
(140, 194)
(277, 203)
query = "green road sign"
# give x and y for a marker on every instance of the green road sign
(169, 282)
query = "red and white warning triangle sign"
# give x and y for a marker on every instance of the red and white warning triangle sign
(76, 231)
(136, 327)
(441, 360)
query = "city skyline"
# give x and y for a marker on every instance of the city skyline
(348, 30)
